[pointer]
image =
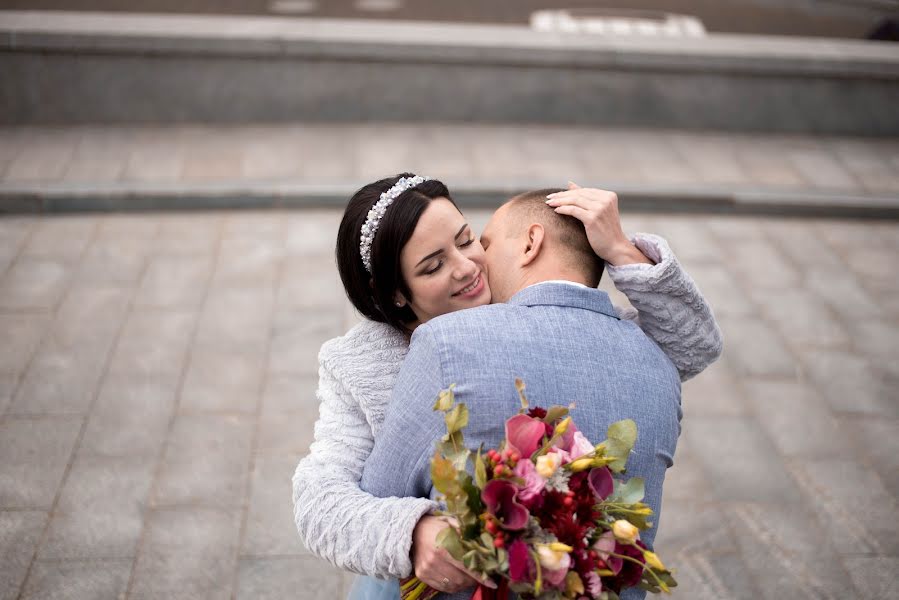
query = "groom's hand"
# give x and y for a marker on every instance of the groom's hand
(434, 565)
(598, 211)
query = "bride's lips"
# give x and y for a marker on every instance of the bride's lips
(475, 291)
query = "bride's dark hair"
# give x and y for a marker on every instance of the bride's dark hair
(373, 294)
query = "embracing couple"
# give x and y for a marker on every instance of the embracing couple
(443, 307)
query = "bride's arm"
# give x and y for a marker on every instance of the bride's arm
(670, 309)
(336, 520)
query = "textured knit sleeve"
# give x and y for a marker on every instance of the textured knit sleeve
(336, 520)
(670, 309)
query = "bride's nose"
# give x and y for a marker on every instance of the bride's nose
(465, 269)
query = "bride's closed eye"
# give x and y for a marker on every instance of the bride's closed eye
(441, 261)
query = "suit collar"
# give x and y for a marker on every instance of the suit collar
(552, 293)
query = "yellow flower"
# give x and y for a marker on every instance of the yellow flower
(624, 530)
(653, 560)
(560, 547)
(548, 464)
(562, 427)
(573, 585)
(581, 464)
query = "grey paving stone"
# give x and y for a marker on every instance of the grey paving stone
(187, 553)
(739, 460)
(222, 381)
(101, 155)
(100, 510)
(153, 342)
(286, 433)
(850, 384)
(822, 169)
(659, 160)
(454, 161)
(851, 499)
(13, 233)
(21, 335)
(60, 237)
(873, 576)
(867, 165)
(236, 319)
(20, 532)
(45, 156)
(206, 462)
(787, 552)
(847, 236)
(301, 577)
(878, 340)
(711, 156)
(247, 261)
(715, 391)
(799, 241)
(62, 385)
(704, 575)
(77, 580)
(764, 161)
(174, 282)
(689, 238)
(154, 156)
(290, 393)
(8, 384)
(35, 454)
(130, 417)
(114, 260)
(729, 229)
(89, 318)
(124, 227)
(220, 163)
(875, 268)
(556, 154)
(795, 417)
(305, 286)
(188, 234)
(876, 440)
(297, 337)
(801, 318)
(753, 348)
(686, 479)
(270, 529)
(304, 150)
(313, 233)
(34, 283)
(721, 289)
(843, 293)
(760, 264)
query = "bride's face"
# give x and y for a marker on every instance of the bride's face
(443, 264)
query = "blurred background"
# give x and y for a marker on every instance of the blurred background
(172, 175)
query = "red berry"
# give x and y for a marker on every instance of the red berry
(568, 501)
(491, 527)
(515, 456)
(498, 471)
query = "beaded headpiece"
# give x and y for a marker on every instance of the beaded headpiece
(377, 213)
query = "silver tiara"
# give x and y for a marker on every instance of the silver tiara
(377, 213)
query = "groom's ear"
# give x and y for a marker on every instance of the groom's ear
(535, 236)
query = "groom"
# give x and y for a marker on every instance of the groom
(553, 330)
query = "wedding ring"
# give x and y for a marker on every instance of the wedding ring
(445, 581)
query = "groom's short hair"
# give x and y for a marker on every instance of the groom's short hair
(531, 206)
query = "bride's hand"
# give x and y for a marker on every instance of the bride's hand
(598, 211)
(433, 565)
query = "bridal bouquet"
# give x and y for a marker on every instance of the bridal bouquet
(543, 515)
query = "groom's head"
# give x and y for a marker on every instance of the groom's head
(527, 242)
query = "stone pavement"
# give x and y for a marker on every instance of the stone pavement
(157, 379)
(192, 166)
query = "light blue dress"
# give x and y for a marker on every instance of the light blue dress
(369, 588)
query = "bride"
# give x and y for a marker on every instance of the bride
(392, 538)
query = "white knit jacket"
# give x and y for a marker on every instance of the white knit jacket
(356, 531)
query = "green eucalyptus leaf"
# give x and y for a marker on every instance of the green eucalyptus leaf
(630, 491)
(480, 469)
(554, 413)
(449, 540)
(445, 399)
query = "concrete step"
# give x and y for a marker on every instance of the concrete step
(64, 68)
(121, 168)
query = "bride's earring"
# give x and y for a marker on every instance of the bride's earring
(399, 304)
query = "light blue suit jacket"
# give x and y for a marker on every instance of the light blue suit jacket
(567, 344)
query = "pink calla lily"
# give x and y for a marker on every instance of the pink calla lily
(601, 482)
(524, 434)
(499, 496)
